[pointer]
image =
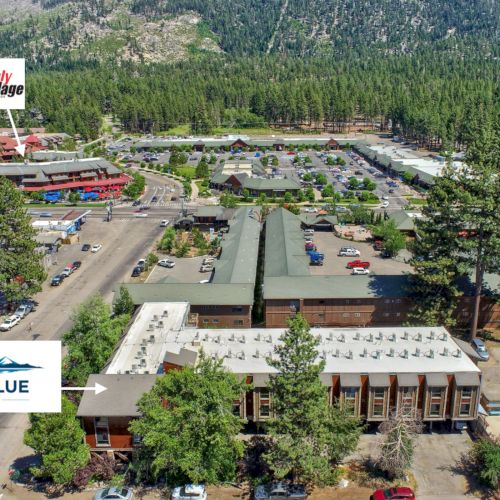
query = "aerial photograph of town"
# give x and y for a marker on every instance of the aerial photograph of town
(250, 249)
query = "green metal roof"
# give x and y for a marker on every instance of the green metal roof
(258, 184)
(315, 219)
(335, 287)
(403, 221)
(240, 248)
(58, 167)
(209, 211)
(285, 253)
(194, 293)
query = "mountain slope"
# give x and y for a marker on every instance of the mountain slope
(165, 30)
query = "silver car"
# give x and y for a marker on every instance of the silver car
(114, 494)
(280, 490)
(481, 350)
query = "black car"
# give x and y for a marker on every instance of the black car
(154, 199)
(77, 264)
(391, 191)
(144, 207)
(385, 254)
(85, 247)
(136, 203)
(136, 271)
(56, 280)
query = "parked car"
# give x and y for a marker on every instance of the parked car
(204, 281)
(56, 280)
(166, 263)
(9, 322)
(280, 490)
(208, 260)
(399, 493)
(67, 271)
(136, 271)
(391, 191)
(138, 213)
(349, 252)
(358, 263)
(141, 263)
(481, 350)
(154, 199)
(145, 207)
(206, 268)
(308, 231)
(385, 204)
(95, 248)
(164, 223)
(385, 198)
(360, 270)
(85, 247)
(77, 264)
(114, 494)
(136, 203)
(24, 309)
(189, 492)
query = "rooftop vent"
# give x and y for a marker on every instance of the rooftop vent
(405, 336)
(197, 336)
(357, 336)
(257, 354)
(365, 352)
(205, 338)
(418, 338)
(242, 355)
(165, 313)
(144, 341)
(337, 353)
(151, 327)
(431, 354)
(256, 338)
(341, 338)
(151, 338)
(446, 351)
(142, 363)
(391, 352)
(269, 339)
(392, 337)
(330, 336)
(155, 317)
(417, 352)
(377, 354)
(444, 337)
(144, 349)
(432, 335)
(229, 354)
(160, 324)
(323, 355)
(404, 354)
(348, 355)
(217, 339)
(134, 367)
(458, 353)
(380, 336)
(370, 337)
(243, 339)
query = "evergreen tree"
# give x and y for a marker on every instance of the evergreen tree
(58, 439)
(124, 303)
(309, 436)
(21, 271)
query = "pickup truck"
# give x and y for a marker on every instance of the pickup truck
(316, 258)
(358, 263)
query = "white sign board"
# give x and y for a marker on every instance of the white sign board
(30, 376)
(12, 84)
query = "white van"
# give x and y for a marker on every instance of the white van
(308, 231)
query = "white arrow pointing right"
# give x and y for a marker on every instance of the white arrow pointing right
(98, 388)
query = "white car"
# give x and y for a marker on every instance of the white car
(385, 198)
(385, 204)
(9, 323)
(189, 492)
(141, 215)
(166, 263)
(95, 248)
(360, 270)
(164, 223)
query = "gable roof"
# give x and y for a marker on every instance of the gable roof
(260, 184)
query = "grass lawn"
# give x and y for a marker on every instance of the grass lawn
(186, 171)
(417, 201)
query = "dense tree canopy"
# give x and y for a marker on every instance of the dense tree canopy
(21, 270)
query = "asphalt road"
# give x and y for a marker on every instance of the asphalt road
(124, 241)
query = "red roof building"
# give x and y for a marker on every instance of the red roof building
(7, 149)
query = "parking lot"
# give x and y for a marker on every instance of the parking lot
(186, 270)
(329, 244)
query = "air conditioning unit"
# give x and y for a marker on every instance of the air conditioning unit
(257, 354)
(405, 354)
(256, 338)
(365, 352)
(151, 339)
(392, 337)
(165, 313)
(446, 351)
(444, 337)
(134, 367)
(231, 337)
(269, 339)
(431, 354)
(357, 336)
(377, 354)
(349, 355)
(155, 317)
(337, 353)
(419, 337)
(217, 339)
(432, 335)
(341, 338)
(458, 354)
(330, 336)
(243, 339)
(405, 336)
(417, 352)
(370, 337)
(144, 341)
(391, 352)
(151, 327)
(242, 355)
(142, 363)
(380, 336)
(144, 350)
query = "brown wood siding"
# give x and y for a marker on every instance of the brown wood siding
(119, 435)
(223, 316)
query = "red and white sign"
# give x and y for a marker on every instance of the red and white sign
(12, 84)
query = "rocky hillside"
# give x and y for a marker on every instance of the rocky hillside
(165, 30)
(49, 31)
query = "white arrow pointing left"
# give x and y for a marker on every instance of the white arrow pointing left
(98, 388)
(20, 148)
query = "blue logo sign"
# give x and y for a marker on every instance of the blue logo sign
(8, 365)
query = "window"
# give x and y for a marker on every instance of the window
(345, 315)
(136, 439)
(236, 408)
(350, 399)
(237, 309)
(386, 315)
(102, 431)
(205, 321)
(378, 397)
(264, 403)
(215, 321)
(357, 315)
(435, 395)
(321, 301)
(465, 401)
(238, 322)
(407, 397)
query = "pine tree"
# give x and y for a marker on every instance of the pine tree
(309, 436)
(21, 271)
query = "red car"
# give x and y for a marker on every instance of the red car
(358, 263)
(400, 493)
